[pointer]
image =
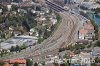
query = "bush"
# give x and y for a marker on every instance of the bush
(96, 28)
(12, 49)
(2, 63)
(16, 64)
(97, 43)
(23, 47)
(29, 62)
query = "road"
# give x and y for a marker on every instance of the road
(66, 34)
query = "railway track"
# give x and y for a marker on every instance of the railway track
(63, 36)
(65, 33)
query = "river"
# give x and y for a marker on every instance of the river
(96, 18)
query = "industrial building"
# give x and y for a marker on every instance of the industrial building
(18, 40)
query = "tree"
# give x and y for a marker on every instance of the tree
(97, 60)
(33, 0)
(29, 62)
(97, 43)
(55, 64)
(16, 64)
(14, 7)
(35, 64)
(65, 64)
(40, 40)
(17, 48)
(93, 64)
(4, 8)
(12, 49)
(43, 63)
(38, 8)
(97, 10)
(45, 34)
(2, 63)
(7, 23)
(1, 53)
(66, 56)
(23, 47)
(61, 49)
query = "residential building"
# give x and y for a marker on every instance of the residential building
(78, 1)
(10, 62)
(5, 1)
(7, 64)
(86, 32)
(90, 5)
(25, 4)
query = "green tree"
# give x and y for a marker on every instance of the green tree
(16, 64)
(4, 8)
(14, 7)
(1, 53)
(23, 47)
(66, 63)
(97, 10)
(17, 48)
(58, 17)
(35, 64)
(97, 60)
(40, 40)
(93, 64)
(66, 56)
(55, 64)
(43, 63)
(46, 34)
(2, 63)
(29, 62)
(97, 43)
(12, 49)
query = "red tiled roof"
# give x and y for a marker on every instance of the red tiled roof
(83, 31)
(18, 60)
(7, 64)
(88, 25)
(71, 53)
(91, 27)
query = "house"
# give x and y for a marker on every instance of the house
(54, 21)
(7, 64)
(25, 4)
(86, 32)
(10, 62)
(9, 7)
(82, 33)
(71, 53)
(22, 10)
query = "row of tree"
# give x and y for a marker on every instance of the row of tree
(13, 49)
(18, 48)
